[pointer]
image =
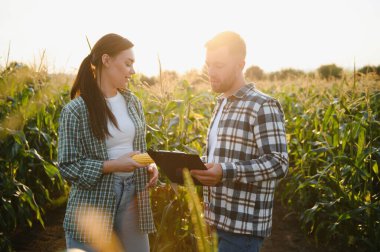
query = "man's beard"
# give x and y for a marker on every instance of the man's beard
(223, 86)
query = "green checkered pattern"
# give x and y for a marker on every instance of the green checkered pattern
(80, 158)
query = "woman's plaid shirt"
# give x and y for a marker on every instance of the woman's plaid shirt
(251, 148)
(80, 159)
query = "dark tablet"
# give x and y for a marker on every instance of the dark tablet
(172, 164)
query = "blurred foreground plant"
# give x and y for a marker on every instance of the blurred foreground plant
(206, 242)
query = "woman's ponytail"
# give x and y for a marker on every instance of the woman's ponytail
(84, 77)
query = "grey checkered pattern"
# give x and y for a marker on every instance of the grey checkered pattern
(80, 159)
(251, 147)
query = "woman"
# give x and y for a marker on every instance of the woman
(99, 130)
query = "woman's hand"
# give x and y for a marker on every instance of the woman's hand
(124, 163)
(153, 175)
(127, 163)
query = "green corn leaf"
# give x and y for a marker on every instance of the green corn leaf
(375, 168)
(361, 142)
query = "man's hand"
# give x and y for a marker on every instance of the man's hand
(153, 175)
(211, 177)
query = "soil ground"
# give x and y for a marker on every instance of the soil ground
(286, 235)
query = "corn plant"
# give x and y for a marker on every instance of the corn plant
(334, 143)
(177, 118)
(206, 242)
(177, 115)
(172, 219)
(333, 133)
(29, 179)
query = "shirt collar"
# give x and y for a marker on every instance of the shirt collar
(240, 93)
(125, 92)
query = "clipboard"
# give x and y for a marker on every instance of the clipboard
(172, 164)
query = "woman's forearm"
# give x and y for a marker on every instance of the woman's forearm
(110, 166)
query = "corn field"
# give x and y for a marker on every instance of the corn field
(333, 133)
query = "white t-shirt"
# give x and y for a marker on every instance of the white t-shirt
(121, 140)
(213, 135)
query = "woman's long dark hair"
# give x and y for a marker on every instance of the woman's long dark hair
(86, 86)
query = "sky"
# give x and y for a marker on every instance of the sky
(300, 34)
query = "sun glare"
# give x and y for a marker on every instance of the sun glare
(279, 34)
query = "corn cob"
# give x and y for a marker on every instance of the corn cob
(143, 158)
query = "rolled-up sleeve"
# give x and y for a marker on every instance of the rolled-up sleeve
(73, 165)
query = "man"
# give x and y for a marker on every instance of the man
(246, 151)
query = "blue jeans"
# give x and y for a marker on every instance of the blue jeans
(74, 244)
(126, 220)
(231, 242)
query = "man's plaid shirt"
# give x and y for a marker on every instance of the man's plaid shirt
(80, 159)
(251, 148)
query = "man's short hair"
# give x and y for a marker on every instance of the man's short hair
(232, 40)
